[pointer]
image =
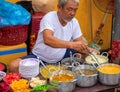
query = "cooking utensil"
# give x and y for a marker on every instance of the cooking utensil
(86, 80)
(71, 58)
(77, 64)
(101, 59)
(41, 62)
(93, 57)
(107, 78)
(65, 86)
(67, 63)
(78, 57)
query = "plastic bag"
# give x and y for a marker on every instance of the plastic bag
(13, 14)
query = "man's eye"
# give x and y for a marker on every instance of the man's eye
(69, 9)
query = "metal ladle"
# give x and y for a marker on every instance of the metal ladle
(78, 65)
(42, 63)
(95, 59)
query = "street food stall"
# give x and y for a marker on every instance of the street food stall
(93, 73)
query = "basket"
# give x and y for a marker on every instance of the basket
(34, 28)
(13, 35)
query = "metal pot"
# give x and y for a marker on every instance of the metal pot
(101, 59)
(86, 80)
(75, 58)
(65, 86)
(107, 78)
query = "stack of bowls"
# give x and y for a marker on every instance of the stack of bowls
(29, 67)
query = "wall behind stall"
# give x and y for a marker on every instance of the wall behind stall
(83, 16)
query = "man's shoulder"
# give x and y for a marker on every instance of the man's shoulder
(74, 21)
(51, 13)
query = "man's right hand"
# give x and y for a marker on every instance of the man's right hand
(79, 46)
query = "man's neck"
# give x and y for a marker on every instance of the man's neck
(63, 23)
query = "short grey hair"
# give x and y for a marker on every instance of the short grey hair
(63, 2)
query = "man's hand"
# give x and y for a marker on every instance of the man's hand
(79, 46)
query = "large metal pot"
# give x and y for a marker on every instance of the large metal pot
(101, 59)
(65, 86)
(84, 80)
(109, 76)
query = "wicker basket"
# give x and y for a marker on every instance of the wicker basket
(13, 35)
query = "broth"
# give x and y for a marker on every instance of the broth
(86, 72)
(63, 77)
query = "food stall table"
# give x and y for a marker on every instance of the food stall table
(98, 88)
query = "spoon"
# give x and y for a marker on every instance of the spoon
(42, 63)
(93, 57)
(78, 65)
(71, 57)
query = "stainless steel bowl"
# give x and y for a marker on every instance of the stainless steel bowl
(65, 86)
(109, 79)
(86, 80)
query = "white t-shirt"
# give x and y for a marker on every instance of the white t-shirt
(68, 32)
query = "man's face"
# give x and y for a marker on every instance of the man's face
(68, 11)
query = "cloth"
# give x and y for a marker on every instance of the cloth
(68, 32)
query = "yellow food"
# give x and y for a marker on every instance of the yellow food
(20, 85)
(63, 77)
(46, 72)
(23, 90)
(109, 69)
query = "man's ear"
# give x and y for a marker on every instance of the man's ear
(59, 7)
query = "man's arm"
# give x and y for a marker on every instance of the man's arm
(54, 42)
